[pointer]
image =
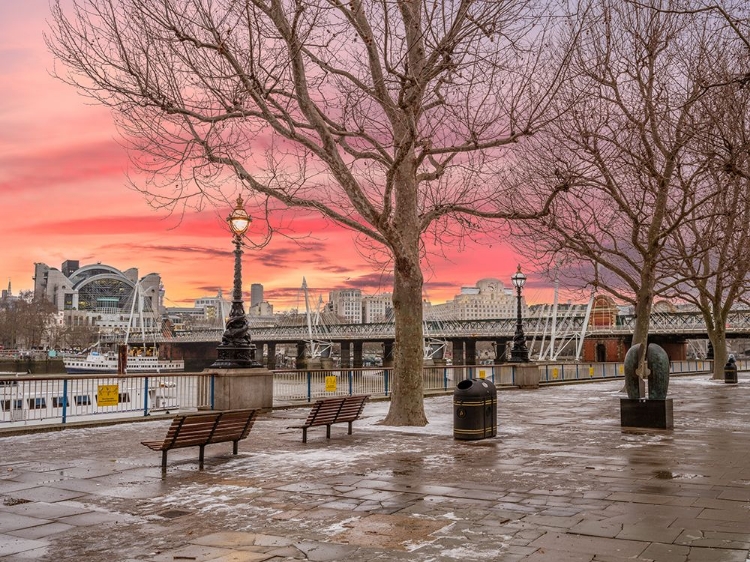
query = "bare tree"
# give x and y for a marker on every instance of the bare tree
(389, 118)
(735, 15)
(710, 253)
(26, 322)
(624, 152)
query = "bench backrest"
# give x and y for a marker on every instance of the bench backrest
(233, 425)
(334, 410)
(191, 429)
(352, 407)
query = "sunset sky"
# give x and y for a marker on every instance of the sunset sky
(65, 195)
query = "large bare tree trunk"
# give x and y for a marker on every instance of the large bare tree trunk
(718, 338)
(407, 399)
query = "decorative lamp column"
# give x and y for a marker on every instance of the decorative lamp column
(519, 353)
(236, 350)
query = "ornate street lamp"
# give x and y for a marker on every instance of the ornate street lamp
(236, 350)
(519, 353)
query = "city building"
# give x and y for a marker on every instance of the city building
(489, 298)
(256, 294)
(347, 305)
(377, 308)
(99, 295)
(7, 298)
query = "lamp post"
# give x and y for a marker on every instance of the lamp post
(236, 350)
(519, 353)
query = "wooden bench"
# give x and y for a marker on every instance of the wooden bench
(201, 429)
(329, 411)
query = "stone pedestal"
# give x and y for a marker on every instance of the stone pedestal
(526, 375)
(242, 388)
(652, 414)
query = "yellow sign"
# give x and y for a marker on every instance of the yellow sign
(622, 369)
(591, 371)
(555, 373)
(482, 374)
(107, 395)
(331, 384)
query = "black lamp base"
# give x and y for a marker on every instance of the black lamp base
(235, 357)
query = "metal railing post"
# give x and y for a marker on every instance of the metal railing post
(145, 396)
(65, 401)
(309, 386)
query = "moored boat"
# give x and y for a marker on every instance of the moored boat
(107, 363)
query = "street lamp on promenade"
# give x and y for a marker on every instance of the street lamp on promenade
(236, 350)
(519, 353)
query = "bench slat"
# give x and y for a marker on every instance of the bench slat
(329, 411)
(199, 430)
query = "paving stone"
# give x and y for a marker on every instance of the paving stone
(649, 533)
(40, 531)
(10, 545)
(46, 494)
(716, 555)
(13, 521)
(666, 552)
(584, 544)
(598, 528)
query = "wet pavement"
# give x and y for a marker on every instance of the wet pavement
(561, 482)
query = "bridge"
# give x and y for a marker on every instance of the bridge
(574, 333)
(688, 325)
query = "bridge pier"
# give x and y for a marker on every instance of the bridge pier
(346, 356)
(471, 352)
(271, 356)
(358, 363)
(501, 351)
(388, 354)
(301, 362)
(458, 352)
(602, 350)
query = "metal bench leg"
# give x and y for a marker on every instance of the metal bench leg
(234, 446)
(304, 435)
(200, 455)
(350, 428)
(328, 431)
(164, 460)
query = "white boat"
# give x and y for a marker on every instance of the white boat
(106, 363)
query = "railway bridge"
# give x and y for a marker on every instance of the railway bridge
(575, 333)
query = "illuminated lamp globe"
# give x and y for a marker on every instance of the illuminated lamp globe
(518, 278)
(239, 220)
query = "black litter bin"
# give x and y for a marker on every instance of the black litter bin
(730, 371)
(474, 409)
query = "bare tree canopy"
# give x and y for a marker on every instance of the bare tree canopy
(707, 262)
(627, 149)
(391, 118)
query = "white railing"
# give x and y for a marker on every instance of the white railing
(51, 399)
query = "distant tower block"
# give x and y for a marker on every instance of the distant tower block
(256, 294)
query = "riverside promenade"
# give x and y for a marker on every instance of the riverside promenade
(562, 482)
